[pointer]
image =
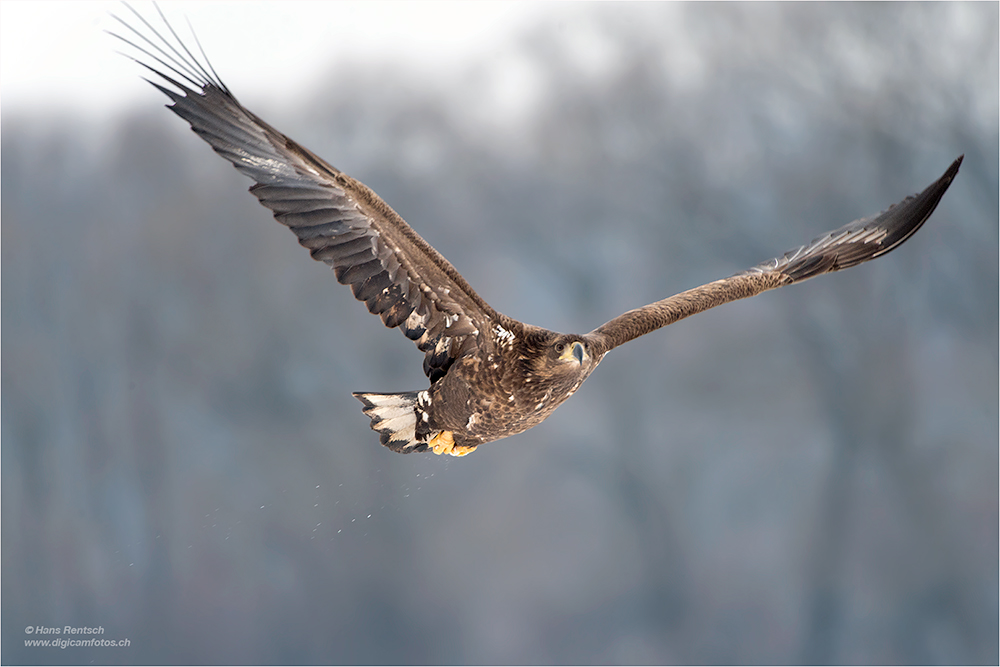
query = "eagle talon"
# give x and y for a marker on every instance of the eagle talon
(444, 443)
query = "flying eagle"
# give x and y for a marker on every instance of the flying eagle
(490, 376)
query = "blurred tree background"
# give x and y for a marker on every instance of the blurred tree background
(809, 476)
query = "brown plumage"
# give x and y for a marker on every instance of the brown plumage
(490, 376)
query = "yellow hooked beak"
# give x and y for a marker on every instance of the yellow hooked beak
(575, 352)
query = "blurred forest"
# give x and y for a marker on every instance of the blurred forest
(809, 476)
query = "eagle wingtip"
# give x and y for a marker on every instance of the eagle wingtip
(953, 169)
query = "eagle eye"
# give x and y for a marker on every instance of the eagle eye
(560, 347)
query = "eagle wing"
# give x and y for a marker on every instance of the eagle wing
(398, 275)
(848, 246)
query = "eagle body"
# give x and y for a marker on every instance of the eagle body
(489, 375)
(522, 374)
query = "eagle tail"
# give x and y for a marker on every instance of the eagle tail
(400, 419)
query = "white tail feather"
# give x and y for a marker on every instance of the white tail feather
(395, 417)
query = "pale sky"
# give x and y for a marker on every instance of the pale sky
(56, 58)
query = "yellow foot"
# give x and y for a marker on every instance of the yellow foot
(444, 443)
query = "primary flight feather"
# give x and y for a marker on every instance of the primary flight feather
(490, 376)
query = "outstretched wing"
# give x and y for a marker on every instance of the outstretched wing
(398, 275)
(848, 246)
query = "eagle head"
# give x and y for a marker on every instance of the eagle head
(571, 351)
(565, 355)
(555, 365)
